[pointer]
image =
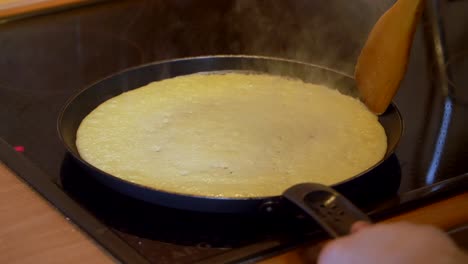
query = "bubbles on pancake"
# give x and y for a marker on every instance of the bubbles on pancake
(231, 135)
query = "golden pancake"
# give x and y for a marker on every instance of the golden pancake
(231, 135)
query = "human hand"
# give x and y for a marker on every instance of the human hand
(393, 243)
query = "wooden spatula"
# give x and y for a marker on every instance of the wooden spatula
(384, 58)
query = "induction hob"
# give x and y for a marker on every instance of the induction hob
(47, 59)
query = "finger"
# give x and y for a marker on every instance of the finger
(359, 225)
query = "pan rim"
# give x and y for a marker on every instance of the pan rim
(77, 157)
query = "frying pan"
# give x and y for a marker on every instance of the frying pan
(78, 107)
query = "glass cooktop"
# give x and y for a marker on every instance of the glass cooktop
(47, 59)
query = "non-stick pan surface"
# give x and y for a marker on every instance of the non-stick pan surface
(88, 99)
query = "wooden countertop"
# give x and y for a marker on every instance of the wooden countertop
(33, 231)
(14, 8)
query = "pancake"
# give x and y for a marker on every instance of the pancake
(231, 135)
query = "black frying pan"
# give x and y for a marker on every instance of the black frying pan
(83, 103)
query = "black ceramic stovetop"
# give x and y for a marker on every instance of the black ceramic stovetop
(44, 60)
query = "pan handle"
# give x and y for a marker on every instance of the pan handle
(332, 211)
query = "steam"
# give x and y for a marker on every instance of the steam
(328, 33)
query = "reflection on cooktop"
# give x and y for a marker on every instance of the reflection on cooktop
(134, 218)
(185, 228)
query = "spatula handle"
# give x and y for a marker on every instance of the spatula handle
(335, 213)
